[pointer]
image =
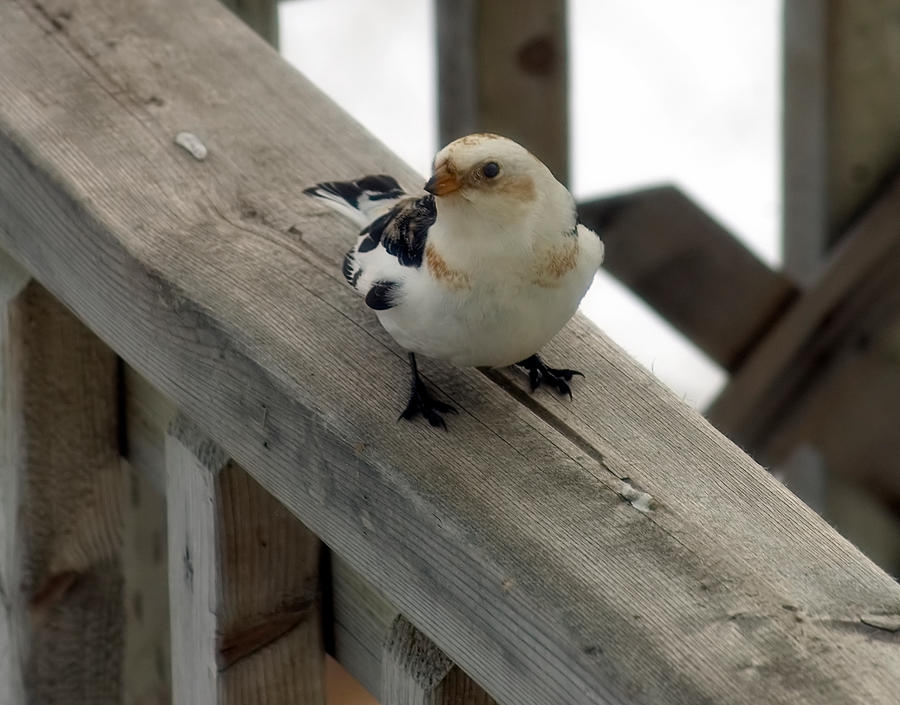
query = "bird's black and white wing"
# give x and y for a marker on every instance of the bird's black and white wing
(392, 243)
(362, 200)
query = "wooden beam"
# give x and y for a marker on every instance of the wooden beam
(360, 616)
(61, 484)
(362, 623)
(827, 374)
(805, 137)
(412, 667)
(362, 619)
(688, 267)
(503, 67)
(838, 55)
(556, 552)
(863, 68)
(243, 582)
(414, 671)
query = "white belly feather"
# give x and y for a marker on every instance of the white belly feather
(489, 323)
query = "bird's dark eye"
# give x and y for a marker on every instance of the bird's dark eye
(490, 170)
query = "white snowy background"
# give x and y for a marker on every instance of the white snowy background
(684, 92)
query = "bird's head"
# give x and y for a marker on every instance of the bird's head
(491, 174)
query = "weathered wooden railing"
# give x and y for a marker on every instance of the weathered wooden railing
(614, 549)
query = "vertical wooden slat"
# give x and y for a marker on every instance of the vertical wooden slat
(62, 482)
(863, 74)
(502, 67)
(805, 155)
(12, 601)
(243, 581)
(414, 671)
(146, 662)
(841, 141)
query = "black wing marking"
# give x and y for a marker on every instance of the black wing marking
(356, 194)
(350, 269)
(402, 231)
(380, 187)
(382, 295)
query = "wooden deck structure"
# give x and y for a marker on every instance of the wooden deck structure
(195, 406)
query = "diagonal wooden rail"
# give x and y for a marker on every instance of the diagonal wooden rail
(614, 549)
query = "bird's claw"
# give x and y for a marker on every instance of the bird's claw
(421, 401)
(539, 373)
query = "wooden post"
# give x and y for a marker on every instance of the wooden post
(146, 669)
(243, 581)
(841, 120)
(61, 615)
(502, 67)
(414, 671)
(804, 137)
(13, 611)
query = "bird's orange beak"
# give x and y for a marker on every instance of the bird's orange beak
(443, 181)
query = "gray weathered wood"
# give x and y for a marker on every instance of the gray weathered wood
(514, 541)
(146, 667)
(672, 254)
(840, 55)
(412, 667)
(362, 622)
(61, 615)
(503, 67)
(13, 605)
(414, 671)
(361, 617)
(243, 579)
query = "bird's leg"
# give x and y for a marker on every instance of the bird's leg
(539, 373)
(422, 402)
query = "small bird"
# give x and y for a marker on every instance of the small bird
(481, 271)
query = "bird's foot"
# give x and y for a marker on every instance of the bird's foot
(421, 401)
(539, 373)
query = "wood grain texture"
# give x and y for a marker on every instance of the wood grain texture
(414, 671)
(688, 267)
(362, 622)
(13, 605)
(503, 67)
(61, 578)
(412, 667)
(146, 670)
(243, 577)
(361, 617)
(506, 541)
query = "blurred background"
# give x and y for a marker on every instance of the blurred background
(739, 158)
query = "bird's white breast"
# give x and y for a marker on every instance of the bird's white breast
(486, 316)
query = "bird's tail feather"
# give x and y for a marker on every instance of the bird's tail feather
(362, 200)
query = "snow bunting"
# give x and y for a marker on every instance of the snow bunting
(481, 271)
